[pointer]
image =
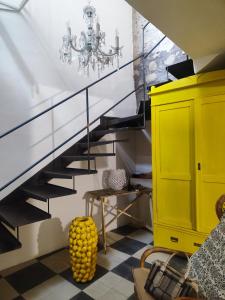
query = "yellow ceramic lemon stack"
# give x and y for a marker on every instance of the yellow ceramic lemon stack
(83, 248)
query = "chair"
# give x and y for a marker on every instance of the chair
(140, 274)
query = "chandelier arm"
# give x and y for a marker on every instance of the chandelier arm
(85, 44)
(106, 54)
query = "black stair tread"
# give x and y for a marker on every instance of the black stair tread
(77, 157)
(7, 241)
(182, 69)
(101, 132)
(117, 121)
(47, 191)
(99, 143)
(21, 213)
(68, 173)
(101, 154)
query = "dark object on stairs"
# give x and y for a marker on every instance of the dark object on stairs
(182, 69)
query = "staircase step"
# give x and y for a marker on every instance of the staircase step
(120, 122)
(68, 173)
(102, 132)
(7, 241)
(101, 143)
(182, 69)
(77, 157)
(101, 154)
(20, 213)
(46, 191)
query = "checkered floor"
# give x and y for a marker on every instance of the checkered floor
(49, 277)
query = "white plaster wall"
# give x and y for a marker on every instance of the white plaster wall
(32, 78)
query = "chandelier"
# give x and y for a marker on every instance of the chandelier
(90, 45)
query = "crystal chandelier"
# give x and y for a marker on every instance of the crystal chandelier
(90, 45)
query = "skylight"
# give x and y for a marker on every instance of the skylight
(12, 5)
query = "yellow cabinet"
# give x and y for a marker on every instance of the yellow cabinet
(188, 141)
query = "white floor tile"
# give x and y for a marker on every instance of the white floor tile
(152, 257)
(113, 237)
(7, 292)
(97, 289)
(113, 281)
(111, 259)
(55, 288)
(57, 262)
(143, 236)
(112, 294)
(139, 253)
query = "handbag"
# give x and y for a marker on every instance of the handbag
(166, 283)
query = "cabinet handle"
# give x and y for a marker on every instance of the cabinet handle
(174, 239)
(197, 245)
(199, 166)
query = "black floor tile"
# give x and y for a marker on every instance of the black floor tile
(125, 268)
(100, 271)
(27, 278)
(125, 230)
(19, 298)
(81, 296)
(128, 246)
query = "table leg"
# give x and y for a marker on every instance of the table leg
(103, 224)
(92, 205)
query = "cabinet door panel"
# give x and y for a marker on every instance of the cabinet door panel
(211, 177)
(174, 147)
(174, 202)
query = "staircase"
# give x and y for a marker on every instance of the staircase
(15, 211)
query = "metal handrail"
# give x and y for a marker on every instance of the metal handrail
(142, 56)
(66, 141)
(67, 98)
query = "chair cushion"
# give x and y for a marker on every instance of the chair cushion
(140, 276)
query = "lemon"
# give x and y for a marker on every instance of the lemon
(78, 237)
(78, 254)
(79, 243)
(84, 260)
(89, 254)
(89, 241)
(93, 233)
(84, 249)
(78, 230)
(83, 236)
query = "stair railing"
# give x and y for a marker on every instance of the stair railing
(142, 56)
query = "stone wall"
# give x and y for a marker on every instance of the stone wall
(167, 53)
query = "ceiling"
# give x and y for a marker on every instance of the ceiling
(196, 26)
